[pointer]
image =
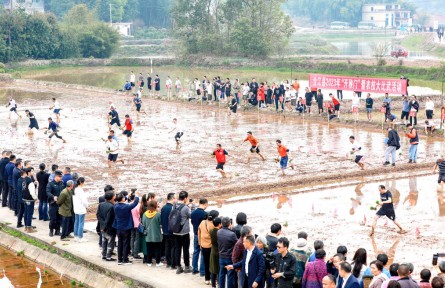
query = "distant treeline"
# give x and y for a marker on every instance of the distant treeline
(43, 36)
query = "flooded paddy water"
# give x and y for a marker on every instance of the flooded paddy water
(23, 273)
(342, 216)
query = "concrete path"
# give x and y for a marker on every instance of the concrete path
(141, 274)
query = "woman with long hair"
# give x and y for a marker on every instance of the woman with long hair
(80, 205)
(359, 263)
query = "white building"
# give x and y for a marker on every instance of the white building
(386, 15)
(30, 6)
(124, 29)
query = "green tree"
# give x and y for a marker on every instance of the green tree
(99, 41)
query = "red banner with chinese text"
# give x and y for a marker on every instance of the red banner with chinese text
(358, 84)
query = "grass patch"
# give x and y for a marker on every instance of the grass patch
(28, 239)
(129, 282)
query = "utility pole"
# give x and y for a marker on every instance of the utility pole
(111, 19)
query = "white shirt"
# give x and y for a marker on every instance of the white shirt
(80, 201)
(197, 85)
(345, 280)
(355, 146)
(355, 101)
(113, 146)
(32, 190)
(429, 105)
(132, 78)
(169, 83)
(177, 128)
(138, 94)
(178, 84)
(209, 88)
(246, 90)
(248, 256)
(11, 104)
(56, 105)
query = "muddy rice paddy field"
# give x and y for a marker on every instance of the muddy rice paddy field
(315, 196)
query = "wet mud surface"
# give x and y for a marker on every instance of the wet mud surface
(342, 216)
(22, 272)
(153, 164)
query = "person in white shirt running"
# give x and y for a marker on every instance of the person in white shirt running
(112, 150)
(357, 151)
(178, 133)
(12, 106)
(56, 109)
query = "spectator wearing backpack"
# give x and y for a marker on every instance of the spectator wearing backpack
(169, 241)
(301, 256)
(179, 225)
(197, 216)
(123, 223)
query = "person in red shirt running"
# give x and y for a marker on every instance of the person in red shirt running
(255, 144)
(220, 155)
(128, 127)
(282, 153)
(336, 105)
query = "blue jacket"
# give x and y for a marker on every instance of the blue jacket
(165, 212)
(15, 176)
(123, 220)
(3, 163)
(197, 216)
(351, 283)
(66, 178)
(256, 268)
(9, 168)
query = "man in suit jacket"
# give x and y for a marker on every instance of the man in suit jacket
(347, 280)
(252, 266)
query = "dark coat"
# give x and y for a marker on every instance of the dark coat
(393, 139)
(256, 268)
(214, 252)
(42, 178)
(352, 282)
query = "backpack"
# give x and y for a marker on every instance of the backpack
(174, 219)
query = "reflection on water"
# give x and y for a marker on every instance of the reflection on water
(22, 272)
(354, 48)
(338, 217)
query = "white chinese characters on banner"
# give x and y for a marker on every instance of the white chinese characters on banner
(359, 84)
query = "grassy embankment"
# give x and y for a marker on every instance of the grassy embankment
(424, 42)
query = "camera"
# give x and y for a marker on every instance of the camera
(436, 256)
(270, 259)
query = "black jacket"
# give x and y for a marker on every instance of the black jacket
(105, 217)
(393, 139)
(226, 242)
(53, 189)
(42, 178)
(285, 265)
(3, 163)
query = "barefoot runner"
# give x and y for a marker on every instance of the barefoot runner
(220, 155)
(386, 209)
(112, 150)
(255, 144)
(32, 121)
(357, 150)
(56, 109)
(282, 153)
(12, 106)
(128, 128)
(178, 132)
(53, 128)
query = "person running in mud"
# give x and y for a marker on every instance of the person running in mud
(12, 106)
(284, 158)
(138, 103)
(53, 129)
(255, 144)
(32, 121)
(440, 164)
(386, 209)
(113, 136)
(128, 128)
(357, 150)
(112, 150)
(220, 156)
(178, 133)
(113, 117)
(233, 105)
(56, 109)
